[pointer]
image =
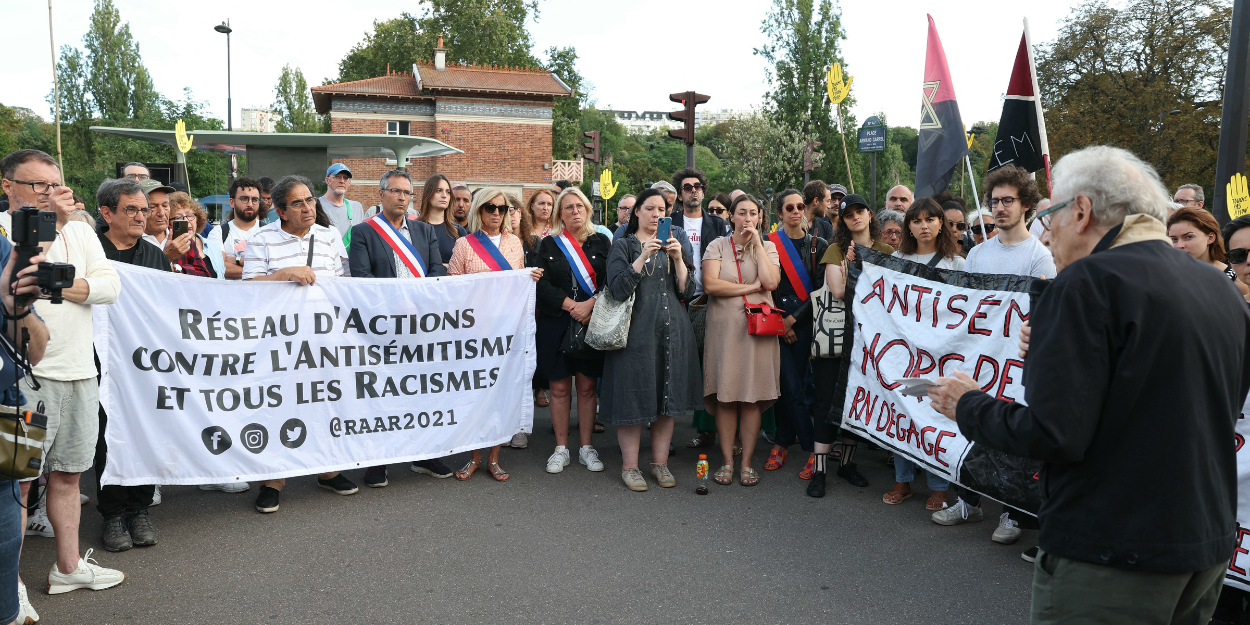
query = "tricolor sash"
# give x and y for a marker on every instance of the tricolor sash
(582, 271)
(488, 251)
(399, 243)
(792, 264)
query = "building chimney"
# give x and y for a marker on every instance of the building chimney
(440, 56)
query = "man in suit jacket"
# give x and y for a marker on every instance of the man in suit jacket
(691, 184)
(372, 257)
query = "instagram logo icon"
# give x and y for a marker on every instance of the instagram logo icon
(254, 437)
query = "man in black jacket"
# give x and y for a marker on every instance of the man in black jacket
(701, 227)
(1136, 376)
(378, 252)
(125, 508)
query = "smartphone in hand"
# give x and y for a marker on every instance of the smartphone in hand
(180, 227)
(664, 231)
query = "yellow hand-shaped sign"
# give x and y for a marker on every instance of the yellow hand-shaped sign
(1238, 196)
(970, 136)
(837, 89)
(606, 188)
(184, 140)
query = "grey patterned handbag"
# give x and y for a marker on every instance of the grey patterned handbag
(609, 322)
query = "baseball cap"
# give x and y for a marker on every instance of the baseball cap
(837, 188)
(664, 185)
(151, 185)
(336, 168)
(852, 200)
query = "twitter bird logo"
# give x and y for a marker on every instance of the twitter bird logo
(294, 433)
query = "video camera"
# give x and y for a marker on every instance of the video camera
(31, 227)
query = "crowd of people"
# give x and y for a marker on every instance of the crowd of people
(688, 258)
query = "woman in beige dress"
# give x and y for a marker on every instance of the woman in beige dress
(740, 374)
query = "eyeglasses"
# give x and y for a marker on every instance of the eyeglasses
(1044, 216)
(958, 225)
(719, 211)
(1238, 256)
(243, 199)
(403, 192)
(793, 208)
(131, 211)
(1187, 202)
(299, 205)
(138, 177)
(187, 217)
(1006, 201)
(40, 187)
(494, 208)
(976, 229)
(698, 186)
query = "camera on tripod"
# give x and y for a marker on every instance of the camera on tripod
(31, 227)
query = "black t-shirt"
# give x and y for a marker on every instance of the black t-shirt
(128, 255)
(823, 228)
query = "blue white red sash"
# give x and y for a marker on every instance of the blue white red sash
(792, 264)
(400, 244)
(488, 251)
(582, 271)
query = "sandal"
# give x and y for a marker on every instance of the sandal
(809, 470)
(598, 429)
(748, 477)
(776, 459)
(900, 493)
(835, 452)
(724, 475)
(937, 501)
(467, 472)
(498, 473)
(541, 400)
(703, 439)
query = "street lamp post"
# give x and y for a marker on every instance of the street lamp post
(224, 27)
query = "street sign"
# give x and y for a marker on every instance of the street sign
(872, 136)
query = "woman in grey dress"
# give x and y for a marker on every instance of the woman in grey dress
(656, 376)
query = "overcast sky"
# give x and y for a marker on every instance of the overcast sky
(634, 53)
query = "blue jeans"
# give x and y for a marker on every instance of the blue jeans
(905, 471)
(10, 548)
(798, 385)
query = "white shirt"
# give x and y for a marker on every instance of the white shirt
(236, 241)
(955, 262)
(1026, 258)
(496, 239)
(273, 249)
(70, 353)
(694, 228)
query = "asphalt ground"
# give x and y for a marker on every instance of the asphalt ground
(577, 547)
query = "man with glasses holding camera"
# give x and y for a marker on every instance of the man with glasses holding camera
(246, 204)
(701, 228)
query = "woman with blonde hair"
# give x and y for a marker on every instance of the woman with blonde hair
(202, 257)
(741, 376)
(488, 246)
(574, 260)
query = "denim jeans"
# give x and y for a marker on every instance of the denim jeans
(905, 471)
(10, 548)
(794, 408)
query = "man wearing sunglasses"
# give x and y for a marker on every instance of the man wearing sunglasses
(701, 228)
(1012, 195)
(1138, 348)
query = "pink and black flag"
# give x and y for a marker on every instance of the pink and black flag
(1021, 139)
(942, 143)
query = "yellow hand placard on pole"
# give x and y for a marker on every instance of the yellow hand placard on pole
(1238, 195)
(184, 140)
(837, 89)
(606, 188)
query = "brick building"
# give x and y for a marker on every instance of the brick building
(499, 116)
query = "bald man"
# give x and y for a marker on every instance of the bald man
(899, 198)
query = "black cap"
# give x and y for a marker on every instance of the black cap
(852, 200)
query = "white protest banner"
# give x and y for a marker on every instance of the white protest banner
(913, 321)
(1238, 574)
(208, 381)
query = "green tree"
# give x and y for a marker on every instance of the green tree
(293, 104)
(763, 153)
(566, 116)
(119, 84)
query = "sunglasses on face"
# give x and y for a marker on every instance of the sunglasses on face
(698, 186)
(976, 229)
(958, 225)
(1238, 256)
(494, 208)
(793, 208)
(719, 211)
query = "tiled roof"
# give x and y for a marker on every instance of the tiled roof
(396, 85)
(491, 79)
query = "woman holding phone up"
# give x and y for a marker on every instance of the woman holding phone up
(200, 257)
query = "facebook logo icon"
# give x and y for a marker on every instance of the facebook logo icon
(216, 440)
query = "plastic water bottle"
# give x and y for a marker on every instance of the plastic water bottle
(700, 475)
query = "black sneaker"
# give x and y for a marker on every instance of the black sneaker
(267, 499)
(115, 537)
(375, 477)
(338, 485)
(850, 473)
(142, 531)
(816, 486)
(433, 467)
(1029, 554)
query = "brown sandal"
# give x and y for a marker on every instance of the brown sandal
(897, 494)
(598, 429)
(703, 439)
(541, 399)
(937, 501)
(724, 475)
(497, 472)
(467, 472)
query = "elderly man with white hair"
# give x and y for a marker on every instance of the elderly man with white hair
(1137, 377)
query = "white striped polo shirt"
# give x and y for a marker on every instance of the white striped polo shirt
(273, 249)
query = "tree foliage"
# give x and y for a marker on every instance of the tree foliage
(119, 84)
(565, 117)
(293, 105)
(763, 153)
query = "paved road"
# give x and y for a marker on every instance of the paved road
(575, 547)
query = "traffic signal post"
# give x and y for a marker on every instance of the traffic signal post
(592, 154)
(688, 100)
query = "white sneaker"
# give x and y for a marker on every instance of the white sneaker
(519, 441)
(39, 525)
(589, 457)
(26, 614)
(1008, 531)
(959, 513)
(232, 487)
(558, 460)
(156, 496)
(89, 574)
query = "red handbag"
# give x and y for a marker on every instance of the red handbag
(762, 319)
